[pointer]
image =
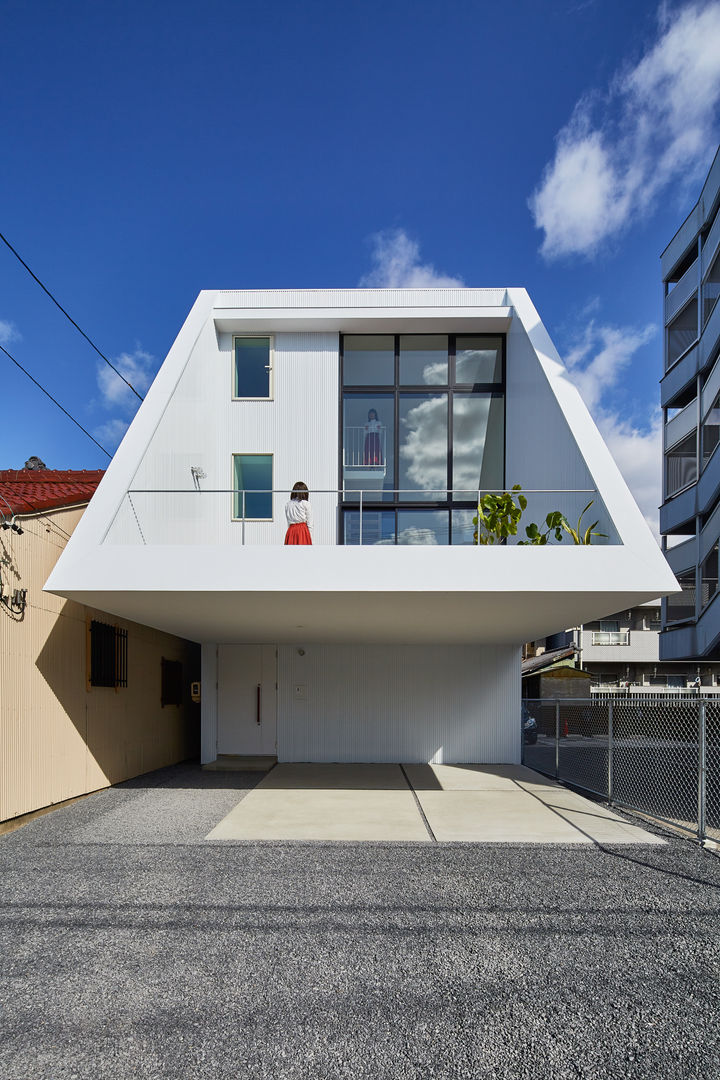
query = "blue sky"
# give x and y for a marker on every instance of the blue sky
(150, 151)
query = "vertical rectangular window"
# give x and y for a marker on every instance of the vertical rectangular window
(710, 431)
(681, 465)
(682, 331)
(378, 527)
(682, 605)
(253, 486)
(368, 453)
(478, 443)
(253, 367)
(108, 655)
(710, 576)
(711, 289)
(171, 682)
(423, 449)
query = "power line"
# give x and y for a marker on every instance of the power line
(48, 394)
(67, 316)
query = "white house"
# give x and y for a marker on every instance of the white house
(394, 637)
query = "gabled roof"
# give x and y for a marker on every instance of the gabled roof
(533, 664)
(25, 491)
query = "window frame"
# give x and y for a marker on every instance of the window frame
(396, 389)
(271, 371)
(252, 453)
(117, 678)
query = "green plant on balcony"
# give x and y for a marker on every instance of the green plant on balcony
(579, 537)
(499, 515)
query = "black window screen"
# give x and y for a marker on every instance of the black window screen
(108, 655)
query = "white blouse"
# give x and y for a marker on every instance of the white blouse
(299, 512)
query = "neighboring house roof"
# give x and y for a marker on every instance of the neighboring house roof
(25, 491)
(547, 659)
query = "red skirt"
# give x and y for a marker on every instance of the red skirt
(298, 534)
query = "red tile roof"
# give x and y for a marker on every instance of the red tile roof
(25, 491)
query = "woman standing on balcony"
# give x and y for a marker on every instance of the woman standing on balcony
(372, 452)
(299, 516)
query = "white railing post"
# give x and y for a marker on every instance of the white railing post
(361, 528)
(243, 517)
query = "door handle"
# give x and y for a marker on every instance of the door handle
(258, 714)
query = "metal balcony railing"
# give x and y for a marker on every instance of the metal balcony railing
(353, 515)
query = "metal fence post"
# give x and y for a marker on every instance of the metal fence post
(610, 752)
(701, 772)
(557, 739)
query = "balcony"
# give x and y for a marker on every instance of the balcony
(355, 515)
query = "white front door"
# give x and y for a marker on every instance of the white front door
(247, 699)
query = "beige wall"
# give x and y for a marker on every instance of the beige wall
(57, 739)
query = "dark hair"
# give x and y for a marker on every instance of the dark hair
(373, 411)
(299, 492)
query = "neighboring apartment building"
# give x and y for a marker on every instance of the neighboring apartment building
(87, 699)
(393, 637)
(622, 653)
(690, 397)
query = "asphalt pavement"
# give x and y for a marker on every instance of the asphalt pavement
(132, 947)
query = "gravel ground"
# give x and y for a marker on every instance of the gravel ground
(131, 948)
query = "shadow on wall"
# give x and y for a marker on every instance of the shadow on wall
(125, 731)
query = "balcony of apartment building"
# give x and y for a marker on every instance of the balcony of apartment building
(690, 512)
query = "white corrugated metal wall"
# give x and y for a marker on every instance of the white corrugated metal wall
(399, 703)
(299, 427)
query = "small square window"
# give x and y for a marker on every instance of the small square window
(253, 486)
(252, 367)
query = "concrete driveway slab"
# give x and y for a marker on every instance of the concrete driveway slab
(495, 817)
(327, 802)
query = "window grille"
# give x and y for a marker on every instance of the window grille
(171, 682)
(108, 655)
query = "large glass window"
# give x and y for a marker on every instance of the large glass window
(253, 367)
(681, 465)
(253, 486)
(423, 360)
(478, 443)
(422, 431)
(423, 447)
(368, 454)
(478, 359)
(369, 360)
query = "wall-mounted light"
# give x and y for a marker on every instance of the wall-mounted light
(198, 474)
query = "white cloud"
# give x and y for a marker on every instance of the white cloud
(111, 432)
(138, 368)
(397, 265)
(656, 125)
(8, 332)
(595, 364)
(599, 358)
(638, 453)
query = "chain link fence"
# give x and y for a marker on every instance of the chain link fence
(658, 756)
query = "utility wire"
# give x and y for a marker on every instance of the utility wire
(48, 394)
(67, 316)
